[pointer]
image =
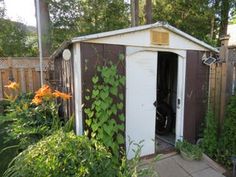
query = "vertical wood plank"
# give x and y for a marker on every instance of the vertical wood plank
(218, 90)
(30, 76)
(1, 86)
(223, 92)
(22, 80)
(213, 86)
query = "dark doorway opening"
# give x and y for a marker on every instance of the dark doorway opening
(166, 101)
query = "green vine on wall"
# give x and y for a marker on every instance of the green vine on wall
(106, 104)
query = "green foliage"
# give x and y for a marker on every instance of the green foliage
(63, 154)
(192, 17)
(3, 106)
(10, 153)
(107, 103)
(192, 151)
(15, 40)
(75, 18)
(210, 142)
(227, 142)
(134, 167)
(29, 123)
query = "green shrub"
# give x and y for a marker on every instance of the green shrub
(3, 106)
(227, 141)
(28, 123)
(191, 151)
(209, 142)
(63, 154)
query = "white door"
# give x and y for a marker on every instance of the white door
(141, 80)
(179, 129)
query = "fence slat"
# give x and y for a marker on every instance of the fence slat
(31, 82)
(1, 86)
(22, 80)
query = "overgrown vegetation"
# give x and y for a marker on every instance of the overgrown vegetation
(210, 140)
(63, 154)
(31, 117)
(227, 140)
(188, 150)
(221, 146)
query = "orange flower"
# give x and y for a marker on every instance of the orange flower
(12, 85)
(64, 96)
(37, 100)
(44, 91)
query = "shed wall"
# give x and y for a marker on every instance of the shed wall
(196, 94)
(93, 55)
(61, 77)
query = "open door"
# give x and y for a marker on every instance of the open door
(141, 79)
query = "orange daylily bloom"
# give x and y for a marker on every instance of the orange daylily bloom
(64, 96)
(37, 100)
(45, 90)
(12, 85)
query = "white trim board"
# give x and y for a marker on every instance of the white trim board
(78, 89)
(179, 129)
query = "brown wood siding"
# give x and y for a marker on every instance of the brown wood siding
(196, 91)
(61, 77)
(93, 55)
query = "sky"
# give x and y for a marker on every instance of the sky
(21, 10)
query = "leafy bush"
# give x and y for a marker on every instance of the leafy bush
(31, 117)
(191, 151)
(63, 154)
(3, 106)
(210, 142)
(227, 141)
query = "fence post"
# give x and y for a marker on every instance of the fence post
(1, 85)
(224, 75)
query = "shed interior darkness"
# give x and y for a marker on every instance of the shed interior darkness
(167, 70)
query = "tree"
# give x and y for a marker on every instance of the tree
(134, 12)
(75, 17)
(148, 11)
(2, 8)
(225, 6)
(15, 40)
(45, 27)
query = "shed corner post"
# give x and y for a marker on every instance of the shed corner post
(78, 88)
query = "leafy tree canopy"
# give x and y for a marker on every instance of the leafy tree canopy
(16, 40)
(87, 16)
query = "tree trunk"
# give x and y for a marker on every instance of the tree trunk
(45, 27)
(225, 7)
(148, 11)
(2, 8)
(134, 12)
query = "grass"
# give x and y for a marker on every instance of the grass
(8, 155)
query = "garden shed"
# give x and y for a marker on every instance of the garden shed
(161, 64)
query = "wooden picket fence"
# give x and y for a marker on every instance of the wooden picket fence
(217, 89)
(23, 70)
(221, 87)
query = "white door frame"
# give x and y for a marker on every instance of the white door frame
(180, 99)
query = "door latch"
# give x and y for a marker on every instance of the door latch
(178, 103)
